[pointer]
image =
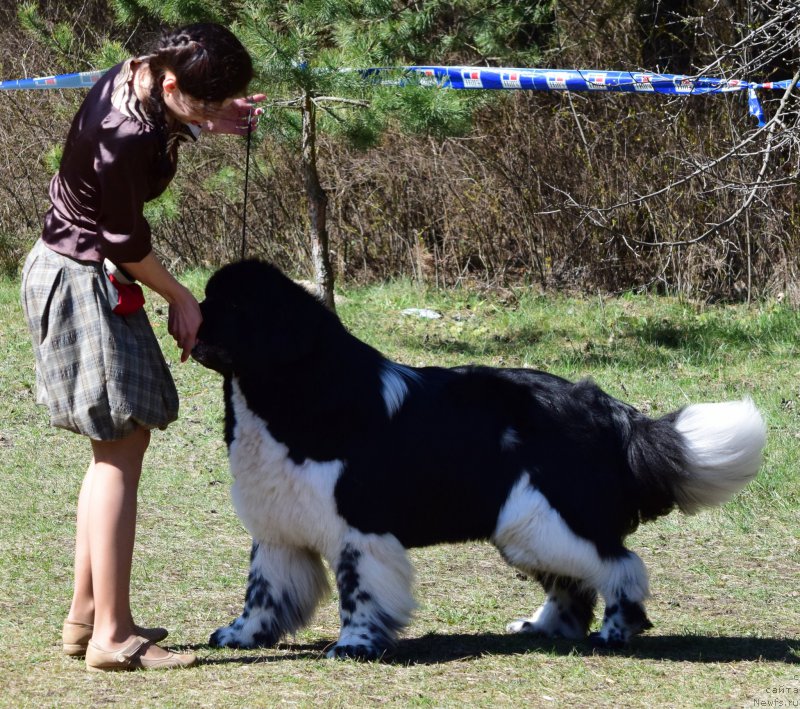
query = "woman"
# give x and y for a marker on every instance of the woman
(99, 368)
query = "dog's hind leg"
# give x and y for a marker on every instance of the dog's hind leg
(374, 579)
(284, 587)
(622, 620)
(567, 613)
(533, 537)
(624, 591)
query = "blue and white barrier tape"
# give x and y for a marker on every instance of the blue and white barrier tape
(504, 78)
(83, 80)
(465, 77)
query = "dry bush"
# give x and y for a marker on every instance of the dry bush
(549, 189)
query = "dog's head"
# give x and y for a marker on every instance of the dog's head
(254, 318)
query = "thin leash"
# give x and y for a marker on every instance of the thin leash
(246, 181)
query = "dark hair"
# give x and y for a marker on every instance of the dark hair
(209, 62)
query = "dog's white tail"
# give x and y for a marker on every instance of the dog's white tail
(723, 449)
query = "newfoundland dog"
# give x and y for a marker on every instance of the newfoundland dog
(339, 453)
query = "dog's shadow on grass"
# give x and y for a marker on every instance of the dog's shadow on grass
(437, 649)
(434, 649)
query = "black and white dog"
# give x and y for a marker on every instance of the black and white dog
(338, 453)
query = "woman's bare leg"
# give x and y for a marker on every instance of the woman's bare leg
(82, 608)
(111, 530)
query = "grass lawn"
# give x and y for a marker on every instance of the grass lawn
(726, 583)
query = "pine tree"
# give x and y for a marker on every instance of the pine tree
(308, 56)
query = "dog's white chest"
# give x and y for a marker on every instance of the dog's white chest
(279, 501)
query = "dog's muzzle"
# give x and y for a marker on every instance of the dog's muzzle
(212, 357)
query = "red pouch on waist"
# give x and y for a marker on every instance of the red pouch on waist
(130, 296)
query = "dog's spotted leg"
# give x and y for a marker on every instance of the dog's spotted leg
(624, 590)
(532, 536)
(567, 613)
(622, 620)
(374, 579)
(283, 589)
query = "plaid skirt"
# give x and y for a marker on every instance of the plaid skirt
(99, 374)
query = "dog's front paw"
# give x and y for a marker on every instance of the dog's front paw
(243, 634)
(225, 637)
(344, 651)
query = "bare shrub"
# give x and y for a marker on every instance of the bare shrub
(562, 191)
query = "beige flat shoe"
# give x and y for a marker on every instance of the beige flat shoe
(76, 636)
(131, 658)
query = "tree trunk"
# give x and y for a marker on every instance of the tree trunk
(317, 206)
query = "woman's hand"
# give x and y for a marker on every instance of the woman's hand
(232, 117)
(184, 321)
(184, 311)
